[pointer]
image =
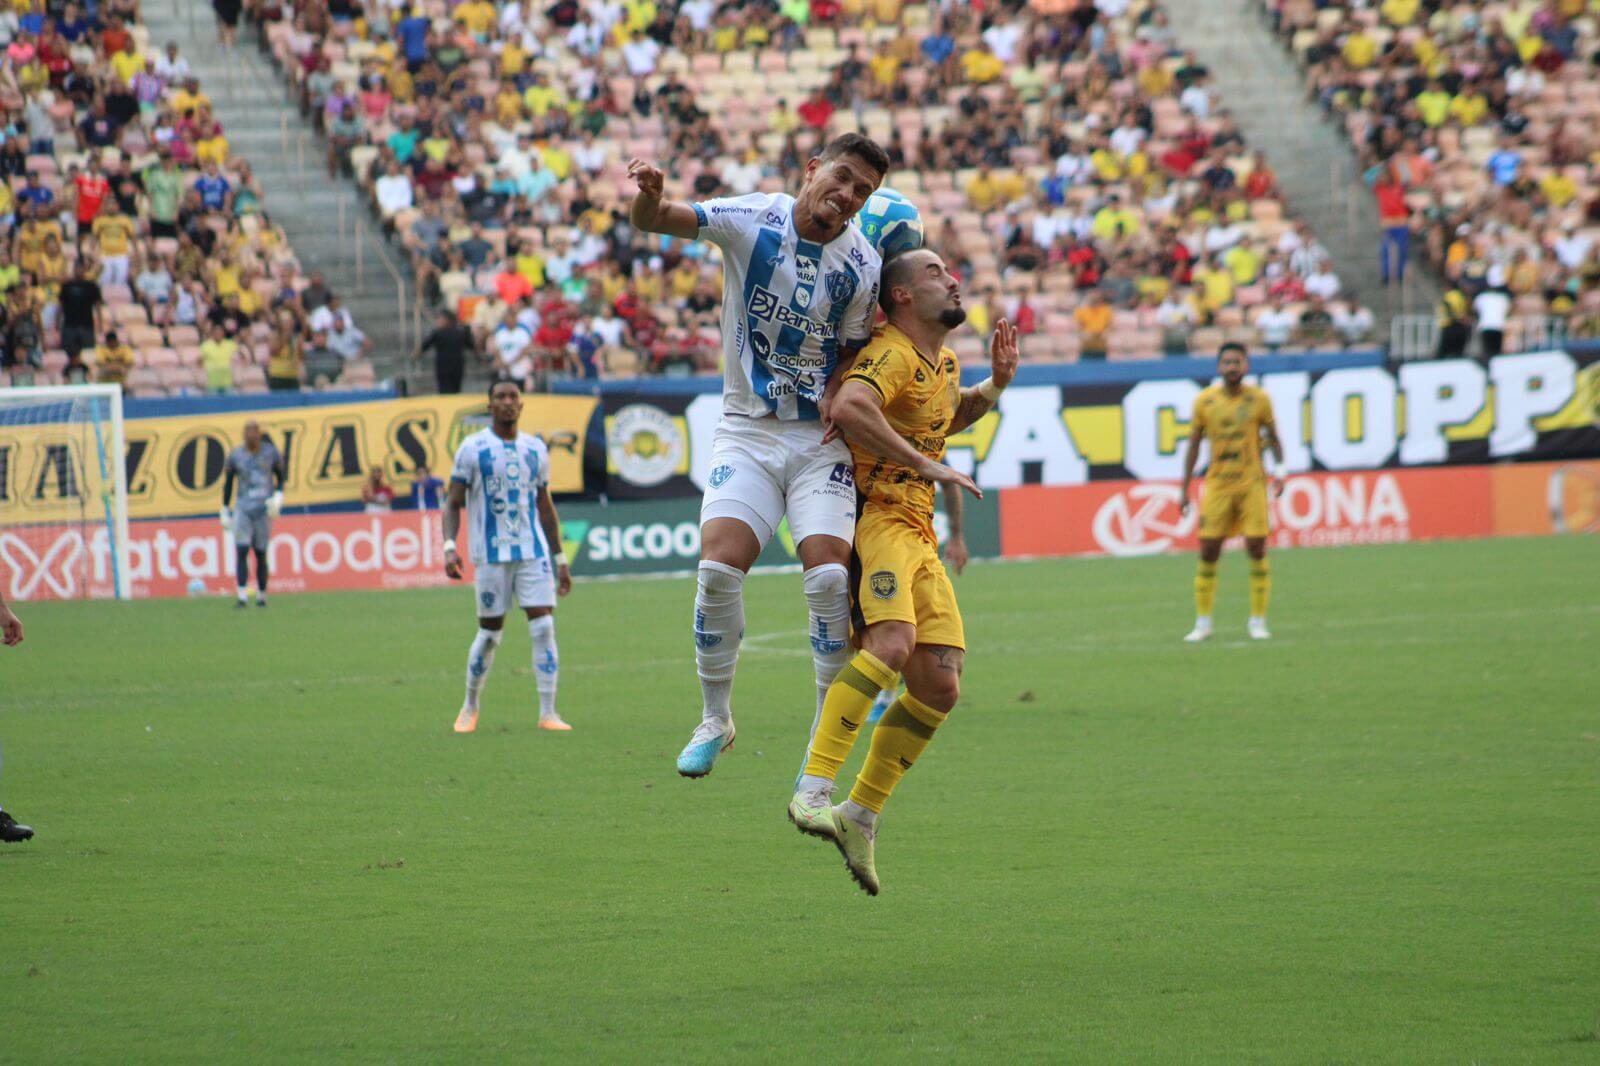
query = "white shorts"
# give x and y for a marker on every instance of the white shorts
(530, 583)
(763, 469)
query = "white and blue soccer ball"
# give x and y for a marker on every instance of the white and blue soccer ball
(197, 586)
(891, 222)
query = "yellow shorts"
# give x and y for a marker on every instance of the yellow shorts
(1230, 510)
(896, 575)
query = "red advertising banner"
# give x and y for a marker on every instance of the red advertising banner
(308, 553)
(1316, 510)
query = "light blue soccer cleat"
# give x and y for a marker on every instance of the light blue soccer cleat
(700, 754)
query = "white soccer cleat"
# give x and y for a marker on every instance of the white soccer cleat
(1258, 629)
(1201, 631)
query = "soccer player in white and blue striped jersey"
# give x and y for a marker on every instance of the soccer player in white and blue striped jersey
(502, 477)
(800, 291)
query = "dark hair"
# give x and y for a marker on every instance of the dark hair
(894, 273)
(862, 147)
(497, 382)
(1232, 346)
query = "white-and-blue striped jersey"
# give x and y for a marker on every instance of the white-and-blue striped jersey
(788, 304)
(503, 479)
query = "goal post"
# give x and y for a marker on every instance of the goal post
(63, 493)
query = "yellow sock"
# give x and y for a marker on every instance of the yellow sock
(844, 708)
(905, 729)
(1205, 589)
(1260, 587)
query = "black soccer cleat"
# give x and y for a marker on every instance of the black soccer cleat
(12, 831)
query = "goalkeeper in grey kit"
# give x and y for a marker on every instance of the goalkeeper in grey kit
(257, 467)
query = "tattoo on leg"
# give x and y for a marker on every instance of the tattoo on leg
(949, 658)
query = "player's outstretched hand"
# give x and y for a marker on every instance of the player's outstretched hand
(10, 627)
(649, 178)
(1003, 353)
(452, 565)
(563, 579)
(949, 475)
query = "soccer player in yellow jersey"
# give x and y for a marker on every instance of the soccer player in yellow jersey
(1237, 419)
(895, 407)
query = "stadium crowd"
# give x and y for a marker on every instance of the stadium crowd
(1067, 157)
(135, 246)
(1479, 126)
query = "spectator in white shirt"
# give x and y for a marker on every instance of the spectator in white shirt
(1323, 282)
(324, 318)
(1003, 38)
(1492, 308)
(347, 341)
(1572, 247)
(1222, 235)
(394, 191)
(558, 266)
(742, 177)
(1276, 324)
(1074, 166)
(1352, 322)
(589, 157)
(606, 13)
(171, 67)
(586, 37)
(512, 346)
(640, 54)
(1176, 316)
(1196, 101)
(1127, 138)
(699, 13)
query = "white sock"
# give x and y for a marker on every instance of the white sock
(244, 594)
(1204, 621)
(859, 814)
(827, 590)
(718, 629)
(546, 663)
(813, 783)
(479, 660)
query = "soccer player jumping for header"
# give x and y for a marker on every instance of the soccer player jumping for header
(896, 407)
(257, 466)
(502, 477)
(1237, 419)
(800, 289)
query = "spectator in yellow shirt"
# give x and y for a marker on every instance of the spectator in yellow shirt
(981, 66)
(540, 97)
(1217, 285)
(1115, 220)
(1400, 12)
(1243, 262)
(1558, 189)
(885, 71)
(127, 64)
(477, 16)
(112, 361)
(113, 235)
(216, 355)
(1433, 103)
(1359, 50)
(983, 191)
(1093, 319)
(1470, 107)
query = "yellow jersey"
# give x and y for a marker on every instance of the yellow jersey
(1233, 424)
(919, 400)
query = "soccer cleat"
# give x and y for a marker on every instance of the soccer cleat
(467, 720)
(555, 724)
(1258, 629)
(241, 604)
(261, 601)
(700, 754)
(855, 843)
(13, 831)
(812, 813)
(1201, 631)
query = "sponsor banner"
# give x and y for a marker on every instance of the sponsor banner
(647, 446)
(1316, 510)
(318, 552)
(1538, 405)
(175, 465)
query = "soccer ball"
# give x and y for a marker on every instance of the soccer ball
(891, 222)
(197, 586)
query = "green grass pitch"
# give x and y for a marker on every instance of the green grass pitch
(1376, 838)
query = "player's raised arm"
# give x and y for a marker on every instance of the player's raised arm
(981, 398)
(651, 213)
(858, 410)
(450, 525)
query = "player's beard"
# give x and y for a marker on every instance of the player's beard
(951, 317)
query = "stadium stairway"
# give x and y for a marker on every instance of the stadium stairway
(287, 157)
(1261, 85)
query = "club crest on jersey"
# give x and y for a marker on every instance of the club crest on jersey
(841, 285)
(884, 584)
(802, 297)
(720, 476)
(488, 599)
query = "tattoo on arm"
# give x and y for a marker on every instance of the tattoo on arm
(971, 407)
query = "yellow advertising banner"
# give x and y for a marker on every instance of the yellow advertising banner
(53, 473)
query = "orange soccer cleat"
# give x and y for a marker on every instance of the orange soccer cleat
(467, 720)
(554, 724)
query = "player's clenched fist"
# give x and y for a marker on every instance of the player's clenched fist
(649, 178)
(452, 564)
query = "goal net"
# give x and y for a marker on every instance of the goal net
(63, 493)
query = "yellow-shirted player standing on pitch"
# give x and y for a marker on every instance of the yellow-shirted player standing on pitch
(895, 408)
(1237, 419)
